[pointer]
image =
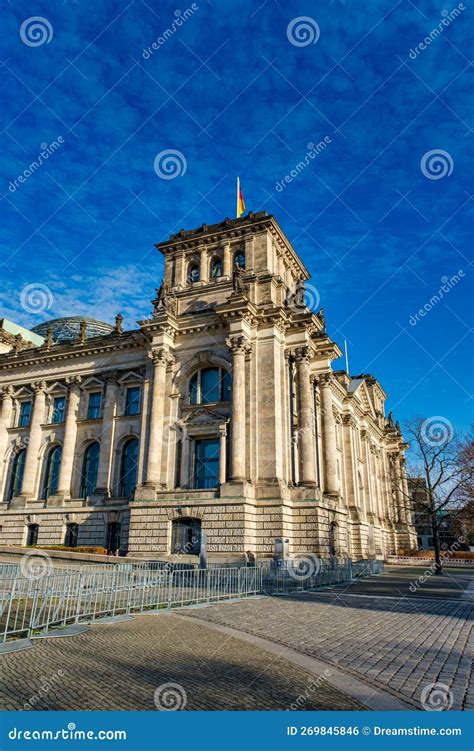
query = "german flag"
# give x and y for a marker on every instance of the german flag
(240, 200)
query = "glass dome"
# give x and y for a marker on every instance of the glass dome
(68, 329)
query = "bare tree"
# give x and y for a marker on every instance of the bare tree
(442, 462)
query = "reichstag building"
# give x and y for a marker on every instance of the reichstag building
(218, 418)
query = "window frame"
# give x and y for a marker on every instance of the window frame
(216, 260)
(128, 403)
(54, 421)
(224, 382)
(235, 266)
(21, 416)
(71, 535)
(89, 408)
(51, 472)
(32, 531)
(193, 265)
(84, 490)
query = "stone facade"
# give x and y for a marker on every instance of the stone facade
(220, 414)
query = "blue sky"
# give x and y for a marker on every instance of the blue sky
(232, 92)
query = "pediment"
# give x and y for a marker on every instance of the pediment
(203, 416)
(57, 386)
(24, 392)
(131, 377)
(92, 383)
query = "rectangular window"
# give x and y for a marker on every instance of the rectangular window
(25, 414)
(132, 404)
(58, 410)
(93, 409)
(32, 535)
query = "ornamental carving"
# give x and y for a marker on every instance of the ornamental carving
(302, 355)
(39, 387)
(161, 357)
(239, 345)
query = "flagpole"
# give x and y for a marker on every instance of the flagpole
(237, 199)
(347, 357)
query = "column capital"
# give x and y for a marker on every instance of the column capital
(6, 391)
(239, 345)
(302, 354)
(325, 379)
(39, 387)
(110, 376)
(73, 381)
(161, 357)
(349, 420)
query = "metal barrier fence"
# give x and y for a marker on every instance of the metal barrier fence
(29, 607)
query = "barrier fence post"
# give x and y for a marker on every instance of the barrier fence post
(33, 611)
(79, 596)
(170, 584)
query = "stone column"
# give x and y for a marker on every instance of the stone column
(239, 347)
(328, 429)
(6, 395)
(226, 261)
(180, 270)
(107, 435)
(161, 359)
(70, 433)
(184, 473)
(203, 266)
(34, 440)
(222, 454)
(307, 473)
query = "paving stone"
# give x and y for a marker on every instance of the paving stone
(120, 666)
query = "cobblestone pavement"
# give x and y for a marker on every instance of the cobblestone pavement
(120, 666)
(398, 644)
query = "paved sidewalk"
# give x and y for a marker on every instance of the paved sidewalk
(122, 665)
(402, 645)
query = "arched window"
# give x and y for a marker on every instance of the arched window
(209, 385)
(32, 534)
(51, 476)
(216, 268)
(239, 260)
(193, 272)
(90, 466)
(186, 536)
(128, 468)
(16, 477)
(72, 532)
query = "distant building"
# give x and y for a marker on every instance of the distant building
(219, 414)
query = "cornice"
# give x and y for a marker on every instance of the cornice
(60, 352)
